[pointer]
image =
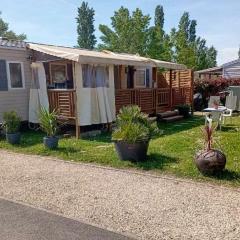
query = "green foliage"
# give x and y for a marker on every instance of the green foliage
(132, 33)
(5, 32)
(129, 33)
(159, 17)
(159, 44)
(48, 122)
(134, 126)
(11, 122)
(190, 49)
(85, 27)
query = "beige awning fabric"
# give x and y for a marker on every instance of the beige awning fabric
(169, 65)
(105, 57)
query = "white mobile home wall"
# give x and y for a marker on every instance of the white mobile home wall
(232, 69)
(16, 99)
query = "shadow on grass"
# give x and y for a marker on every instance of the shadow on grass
(226, 175)
(156, 161)
(183, 125)
(229, 128)
(63, 150)
(101, 138)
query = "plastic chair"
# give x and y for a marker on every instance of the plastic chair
(214, 117)
(213, 100)
(231, 103)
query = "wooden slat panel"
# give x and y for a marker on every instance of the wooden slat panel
(63, 102)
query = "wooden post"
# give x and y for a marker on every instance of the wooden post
(109, 127)
(77, 129)
(171, 90)
(191, 89)
(76, 117)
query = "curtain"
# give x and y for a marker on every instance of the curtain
(38, 92)
(95, 94)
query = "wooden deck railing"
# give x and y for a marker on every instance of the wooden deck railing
(62, 100)
(152, 100)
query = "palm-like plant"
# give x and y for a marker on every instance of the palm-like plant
(11, 122)
(48, 121)
(210, 160)
(134, 126)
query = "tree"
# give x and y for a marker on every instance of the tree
(183, 47)
(129, 32)
(159, 45)
(85, 27)
(192, 31)
(5, 32)
(190, 49)
(159, 17)
(211, 57)
(239, 53)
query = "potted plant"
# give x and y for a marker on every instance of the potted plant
(11, 125)
(210, 161)
(184, 110)
(48, 124)
(132, 134)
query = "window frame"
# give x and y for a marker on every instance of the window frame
(58, 64)
(9, 76)
(145, 78)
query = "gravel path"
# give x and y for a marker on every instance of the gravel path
(145, 206)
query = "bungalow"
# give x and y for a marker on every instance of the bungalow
(89, 87)
(229, 70)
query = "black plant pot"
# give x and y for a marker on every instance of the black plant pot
(13, 138)
(135, 152)
(210, 162)
(51, 142)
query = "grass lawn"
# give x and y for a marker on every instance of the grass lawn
(171, 153)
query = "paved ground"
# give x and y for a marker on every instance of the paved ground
(21, 222)
(145, 206)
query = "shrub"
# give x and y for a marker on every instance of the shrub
(134, 126)
(184, 110)
(11, 122)
(48, 122)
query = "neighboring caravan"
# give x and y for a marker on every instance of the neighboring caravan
(15, 78)
(229, 70)
(89, 87)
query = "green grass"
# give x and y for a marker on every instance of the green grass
(171, 153)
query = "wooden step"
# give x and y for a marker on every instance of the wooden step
(167, 114)
(172, 118)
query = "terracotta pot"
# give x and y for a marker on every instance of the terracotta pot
(211, 161)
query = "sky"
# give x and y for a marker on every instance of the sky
(53, 21)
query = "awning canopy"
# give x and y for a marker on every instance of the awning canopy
(104, 57)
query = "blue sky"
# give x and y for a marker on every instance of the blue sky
(53, 21)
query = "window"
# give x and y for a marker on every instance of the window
(58, 73)
(140, 78)
(95, 76)
(15, 75)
